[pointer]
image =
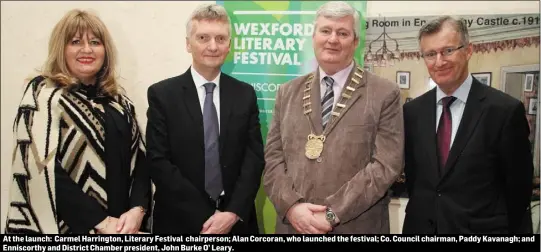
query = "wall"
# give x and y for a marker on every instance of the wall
(479, 62)
(150, 40)
(420, 8)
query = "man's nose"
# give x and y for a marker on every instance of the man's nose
(212, 45)
(333, 38)
(439, 60)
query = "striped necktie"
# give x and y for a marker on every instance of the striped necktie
(327, 101)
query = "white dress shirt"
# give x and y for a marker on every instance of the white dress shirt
(340, 79)
(456, 108)
(200, 81)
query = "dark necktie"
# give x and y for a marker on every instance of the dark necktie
(327, 101)
(213, 174)
(444, 131)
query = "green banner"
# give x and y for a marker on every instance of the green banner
(271, 43)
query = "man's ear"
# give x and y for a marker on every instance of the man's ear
(188, 45)
(469, 50)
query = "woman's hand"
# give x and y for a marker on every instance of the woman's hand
(130, 221)
(107, 226)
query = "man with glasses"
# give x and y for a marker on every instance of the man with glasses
(468, 162)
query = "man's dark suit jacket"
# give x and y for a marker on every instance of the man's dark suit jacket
(486, 185)
(176, 152)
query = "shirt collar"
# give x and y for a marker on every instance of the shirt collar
(341, 75)
(200, 80)
(461, 93)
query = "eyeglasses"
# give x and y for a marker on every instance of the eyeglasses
(445, 52)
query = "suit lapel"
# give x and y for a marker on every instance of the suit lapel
(315, 94)
(191, 100)
(472, 112)
(428, 124)
(226, 103)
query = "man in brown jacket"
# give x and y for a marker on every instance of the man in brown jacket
(335, 143)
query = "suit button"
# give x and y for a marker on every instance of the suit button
(439, 194)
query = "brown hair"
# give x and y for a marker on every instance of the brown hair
(435, 26)
(80, 21)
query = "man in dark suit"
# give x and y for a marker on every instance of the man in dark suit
(468, 162)
(204, 139)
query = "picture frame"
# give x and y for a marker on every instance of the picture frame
(528, 82)
(484, 77)
(532, 107)
(403, 79)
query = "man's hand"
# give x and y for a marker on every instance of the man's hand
(130, 221)
(107, 226)
(219, 223)
(303, 218)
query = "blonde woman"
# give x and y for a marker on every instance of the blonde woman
(79, 161)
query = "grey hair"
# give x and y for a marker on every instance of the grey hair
(435, 26)
(340, 9)
(212, 11)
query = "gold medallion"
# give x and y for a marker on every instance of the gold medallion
(314, 146)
